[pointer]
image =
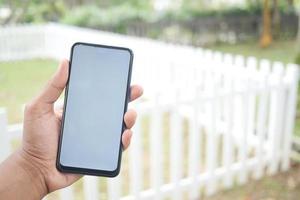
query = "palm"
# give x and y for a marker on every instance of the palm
(40, 140)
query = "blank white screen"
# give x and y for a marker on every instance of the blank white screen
(95, 105)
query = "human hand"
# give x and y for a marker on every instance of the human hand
(42, 128)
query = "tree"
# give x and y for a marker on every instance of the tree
(18, 9)
(266, 37)
(32, 10)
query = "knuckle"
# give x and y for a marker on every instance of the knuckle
(30, 107)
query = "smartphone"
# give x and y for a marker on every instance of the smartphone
(96, 98)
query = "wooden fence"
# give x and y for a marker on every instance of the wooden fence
(208, 120)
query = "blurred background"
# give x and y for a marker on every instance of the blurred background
(267, 30)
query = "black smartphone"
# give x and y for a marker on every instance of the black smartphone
(96, 98)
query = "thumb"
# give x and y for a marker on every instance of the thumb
(55, 85)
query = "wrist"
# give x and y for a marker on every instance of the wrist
(34, 171)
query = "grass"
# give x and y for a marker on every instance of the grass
(283, 51)
(284, 185)
(20, 81)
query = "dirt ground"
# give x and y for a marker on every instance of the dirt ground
(283, 186)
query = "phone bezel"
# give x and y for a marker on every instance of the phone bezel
(86, 171)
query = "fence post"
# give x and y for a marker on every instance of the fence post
(194, 147)
(67, 193)
(114, 188)
(228, 117)
(4, 137)
(275, 119)
(251, 71)
(156, 152)
(211, 134)
(136, 176)
(176, 153)
(262, 117)
(241, 115)
(90, 188)
(292, 74)
(249, 110)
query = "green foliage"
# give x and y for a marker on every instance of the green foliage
(42, 11)
(193, 9)
(123, 14)
(80, 16)
(33, 10)
(117, 16)
(188, 13)
(234, 11)
(129, 17)
(133, 3)
(119, 13)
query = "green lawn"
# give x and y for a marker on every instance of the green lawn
(282, 186)
(284, 51)
(20, 81)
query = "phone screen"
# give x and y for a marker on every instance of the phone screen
(94, 107)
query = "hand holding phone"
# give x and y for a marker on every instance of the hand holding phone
(96, 98)
(41, 132)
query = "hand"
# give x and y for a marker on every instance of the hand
(41, 133)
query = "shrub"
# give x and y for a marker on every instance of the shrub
(115, 17)
(44, 11)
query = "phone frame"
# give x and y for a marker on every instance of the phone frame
(86, 171)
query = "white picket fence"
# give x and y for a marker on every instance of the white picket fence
(208, 120)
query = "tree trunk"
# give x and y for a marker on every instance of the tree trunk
(266, 37)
